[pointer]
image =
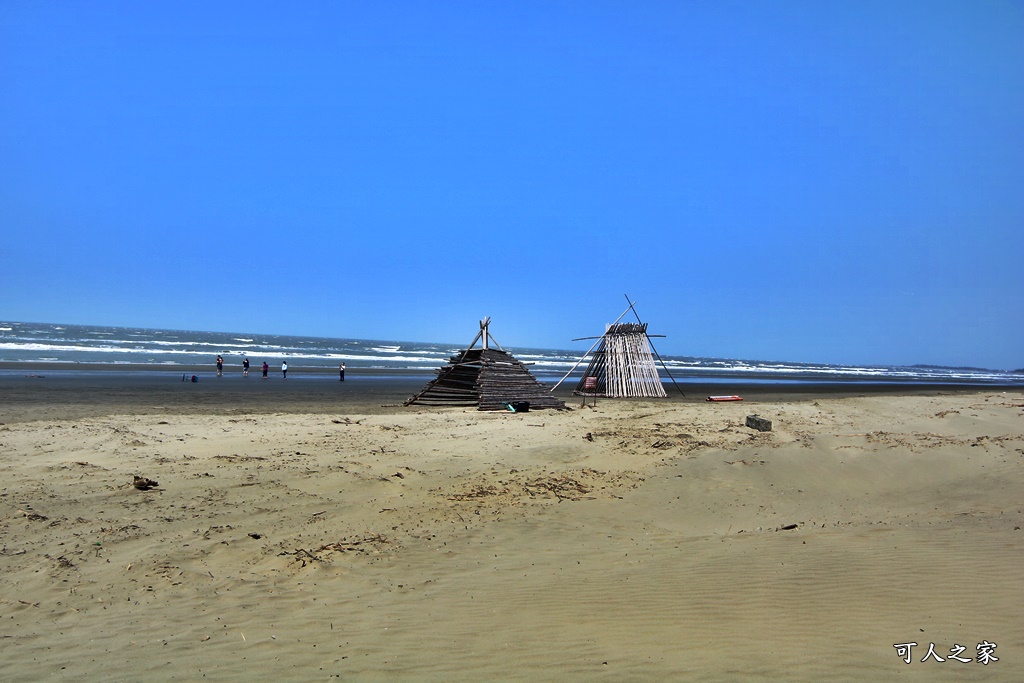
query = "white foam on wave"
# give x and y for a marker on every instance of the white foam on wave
(553, 363)
(359, 357)
(86, 349)
(270, 351)
(265, 348)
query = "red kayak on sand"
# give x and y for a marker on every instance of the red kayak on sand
(720, 399)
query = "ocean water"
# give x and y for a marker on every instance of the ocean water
(85, 346)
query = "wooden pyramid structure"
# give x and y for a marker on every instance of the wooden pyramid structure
(489, 378)
(622, 363)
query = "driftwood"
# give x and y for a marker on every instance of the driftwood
(487, 379)
(361, 544)
(143, 483)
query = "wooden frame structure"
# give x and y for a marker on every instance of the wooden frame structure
(622, 363)
(489, 378)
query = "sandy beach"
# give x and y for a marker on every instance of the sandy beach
(321, 532)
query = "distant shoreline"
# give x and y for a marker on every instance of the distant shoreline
(713, 382)
(61, 391)
(229, 369)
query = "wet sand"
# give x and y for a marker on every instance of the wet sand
(65, 391)
(314, 529)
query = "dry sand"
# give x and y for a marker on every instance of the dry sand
(638, 540)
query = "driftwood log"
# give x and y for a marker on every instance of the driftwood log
(488, 379)
(144, 483)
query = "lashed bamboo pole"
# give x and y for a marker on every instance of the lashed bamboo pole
(623, 362)
(628, 368)
(632, 307)
(599, 339)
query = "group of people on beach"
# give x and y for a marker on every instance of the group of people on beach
(266, 369)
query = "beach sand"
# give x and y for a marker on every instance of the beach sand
(303, 537)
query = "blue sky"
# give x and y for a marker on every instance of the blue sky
(805, 181)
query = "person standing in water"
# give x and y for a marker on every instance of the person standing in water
(265, 368)
(245, 368)
(284, 369)
(341, 371)
(220, 366)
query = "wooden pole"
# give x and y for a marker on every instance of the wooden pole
(591, 348)
(665, 367)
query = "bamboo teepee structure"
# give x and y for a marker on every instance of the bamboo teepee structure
(489, 378)
(622, 363)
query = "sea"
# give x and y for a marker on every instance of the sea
(85, 348)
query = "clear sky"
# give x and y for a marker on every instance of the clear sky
(805, 181)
